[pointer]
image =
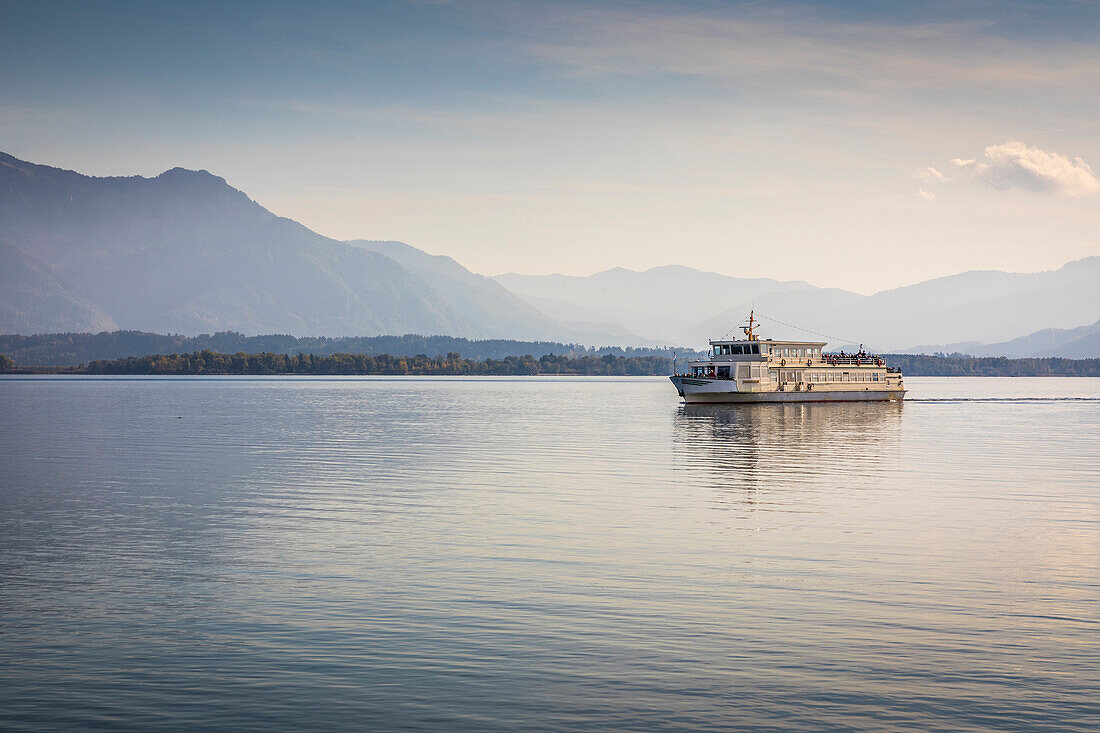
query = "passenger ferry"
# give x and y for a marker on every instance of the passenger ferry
(763, 370)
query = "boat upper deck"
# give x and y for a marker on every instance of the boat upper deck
(786, 353)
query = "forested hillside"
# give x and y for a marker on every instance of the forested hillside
(71, 349)
(207, 362)
(567, 360)
(992, 366)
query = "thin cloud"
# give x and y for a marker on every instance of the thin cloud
(926, 195)
(1014, 165)
(928, 174)
(819, 55)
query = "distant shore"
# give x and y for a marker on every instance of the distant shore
(265, 363)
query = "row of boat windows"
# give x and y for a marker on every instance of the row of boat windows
(832, 376)
(792, 375)
(727, 349)
(784, 351)
(814, 353)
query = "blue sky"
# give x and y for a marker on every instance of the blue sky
(801, 141)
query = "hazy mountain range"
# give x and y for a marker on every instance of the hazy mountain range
(973, 307)
(1071, 343)
(186, 253)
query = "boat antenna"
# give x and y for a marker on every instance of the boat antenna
(749, 328)
(832, 338)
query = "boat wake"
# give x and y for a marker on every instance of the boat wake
(1002, 399)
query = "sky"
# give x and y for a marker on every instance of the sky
(860, 145)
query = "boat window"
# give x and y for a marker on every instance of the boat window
(756, 348)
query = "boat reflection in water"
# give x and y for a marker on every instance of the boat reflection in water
(751, 448)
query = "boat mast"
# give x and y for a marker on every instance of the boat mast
(748, 329)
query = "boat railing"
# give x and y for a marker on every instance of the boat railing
(850, 360)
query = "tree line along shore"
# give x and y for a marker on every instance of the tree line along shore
(72, 349)
(267, 363)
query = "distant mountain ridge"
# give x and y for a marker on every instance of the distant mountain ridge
(1069, 343)
(689, 306)
(185, 252)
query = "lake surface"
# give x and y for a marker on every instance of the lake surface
(546, 554)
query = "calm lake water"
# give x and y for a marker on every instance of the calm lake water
(546, 554)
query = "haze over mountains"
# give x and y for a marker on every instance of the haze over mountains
(186, 253)
(969, 309)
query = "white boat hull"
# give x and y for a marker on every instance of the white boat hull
(695, 390)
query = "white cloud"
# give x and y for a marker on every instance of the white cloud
(926, 195)
(928, 174)
(1015, 165)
